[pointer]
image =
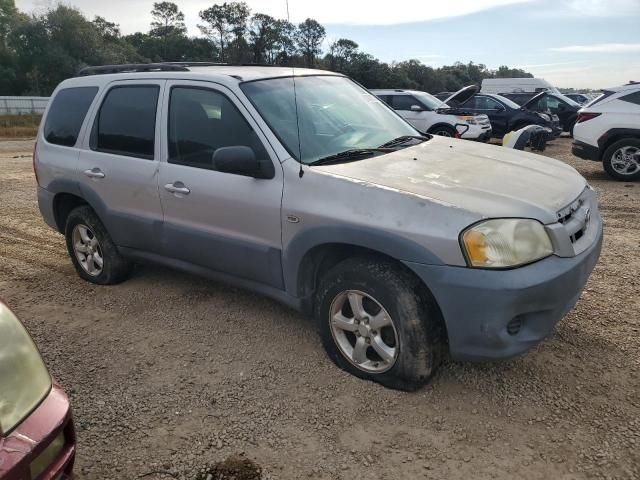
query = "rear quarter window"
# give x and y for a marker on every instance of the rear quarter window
(66, 114)
(632, 98)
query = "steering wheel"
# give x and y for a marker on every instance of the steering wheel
(341, 132)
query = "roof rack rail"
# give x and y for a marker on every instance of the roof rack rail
(160, 67)
(197, 64)
(133, 67)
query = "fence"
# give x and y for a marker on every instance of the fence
(22, 105)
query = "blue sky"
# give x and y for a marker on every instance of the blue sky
(571, 43)
(568, 47)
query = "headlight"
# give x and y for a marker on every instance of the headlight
(544, 116)
(507, 242)
(470, 119)
(24, 379)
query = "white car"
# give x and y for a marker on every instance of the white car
(607, 130)
(430, 115)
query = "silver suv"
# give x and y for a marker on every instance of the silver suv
(303, 186)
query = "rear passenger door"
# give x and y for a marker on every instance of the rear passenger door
(225, 222)
(119, 163)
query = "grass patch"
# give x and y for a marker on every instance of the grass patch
(17, 126)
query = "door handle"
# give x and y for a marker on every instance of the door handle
(95, 172)
(177, 188)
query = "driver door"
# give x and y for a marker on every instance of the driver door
(412, 110)
(225, 222)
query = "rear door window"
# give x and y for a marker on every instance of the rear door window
(126, 122)
(66, 114)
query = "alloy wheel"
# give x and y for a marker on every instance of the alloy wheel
(363, 331)
(87, 250)
(626, 160)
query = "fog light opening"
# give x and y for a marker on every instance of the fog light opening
(514, 326)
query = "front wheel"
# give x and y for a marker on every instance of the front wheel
(444, 131)
(622, 159)
(377, 324)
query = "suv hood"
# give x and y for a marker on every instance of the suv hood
(491, 181)
(462, 95)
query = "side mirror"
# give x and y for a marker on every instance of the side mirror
(416, 108)
(239, 160)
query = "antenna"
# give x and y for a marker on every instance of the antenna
(295, 102)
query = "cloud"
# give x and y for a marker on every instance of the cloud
(134, 15)
(546, 65)
(607, 8)
(599, 48)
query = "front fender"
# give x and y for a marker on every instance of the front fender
(388, 244)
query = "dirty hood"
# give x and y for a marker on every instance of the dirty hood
(492, 181)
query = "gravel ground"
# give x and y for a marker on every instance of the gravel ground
(168, 372)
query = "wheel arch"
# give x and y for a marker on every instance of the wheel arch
(321, 258)
(314, 251)
(433, 128)
(63, 204)
(614, 135)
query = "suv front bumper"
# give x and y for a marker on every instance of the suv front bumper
(479, 133)
(493, 314)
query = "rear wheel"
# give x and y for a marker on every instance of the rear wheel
(376, 324)
(93, 253)
(444, 131)
(622, 159)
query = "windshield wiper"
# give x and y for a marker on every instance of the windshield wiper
(403, 139)
(352, 154)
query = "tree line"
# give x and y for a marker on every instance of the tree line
(38, 51)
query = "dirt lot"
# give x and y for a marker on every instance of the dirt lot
(168, 372)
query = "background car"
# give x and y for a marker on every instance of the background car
(506, 115)
(579, 98)
(524, 84)
(608, 130)
(32, 406)
(430, 115)
(549, 102)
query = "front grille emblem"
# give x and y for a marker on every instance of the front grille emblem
(587, 217)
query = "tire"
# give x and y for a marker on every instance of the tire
(443, 131)
(416, 331)
(614, 159)
(87, 240)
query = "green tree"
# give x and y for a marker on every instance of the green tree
(309, 37)
(8, 17)
(107, 30)
(506, 72)
(262, 37)
(341, 52)
(167, 23)
(226, 24)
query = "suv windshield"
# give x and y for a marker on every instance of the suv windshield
(567, 100)
(431, 102)
(334, 115)
(508, 102)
